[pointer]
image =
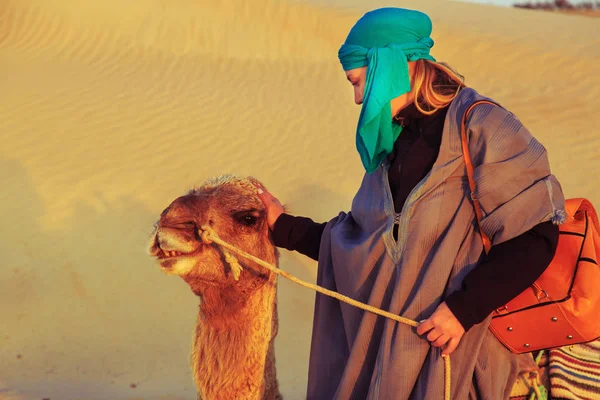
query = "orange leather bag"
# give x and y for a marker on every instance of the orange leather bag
(562, 307)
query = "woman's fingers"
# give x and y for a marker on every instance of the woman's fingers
(260, 189)
(434, 335)
(264, 194)
(451, 346)
(273, 206)
(270, 201)
(265, 200)
(442, 340)
(442, 329)
(424, 326)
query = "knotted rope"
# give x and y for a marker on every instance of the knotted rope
(209, 236)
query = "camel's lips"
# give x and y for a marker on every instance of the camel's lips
(167, 259)
(163, 255)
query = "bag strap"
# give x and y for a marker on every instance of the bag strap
(487, 244)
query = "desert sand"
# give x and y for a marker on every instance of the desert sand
(109, 110)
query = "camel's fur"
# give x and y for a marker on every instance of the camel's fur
(233, 350)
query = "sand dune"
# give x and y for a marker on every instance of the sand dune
(109, 110)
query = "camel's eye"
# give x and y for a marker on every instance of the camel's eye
(249, 220)
(246, 219)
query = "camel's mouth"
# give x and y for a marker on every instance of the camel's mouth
(177, 262)
(161, 254)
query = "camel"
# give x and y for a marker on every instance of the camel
(233, 348)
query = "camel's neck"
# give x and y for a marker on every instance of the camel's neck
(233, 354)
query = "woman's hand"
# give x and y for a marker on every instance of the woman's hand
(442, 328)
(273, 206)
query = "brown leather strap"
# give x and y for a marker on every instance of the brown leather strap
(487, 244)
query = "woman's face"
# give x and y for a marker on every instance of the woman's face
(357, 78)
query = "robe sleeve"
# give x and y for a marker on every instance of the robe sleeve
(510, 268)
(515, 187)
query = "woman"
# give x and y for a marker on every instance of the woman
(410, 244)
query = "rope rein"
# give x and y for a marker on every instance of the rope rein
(209, 236)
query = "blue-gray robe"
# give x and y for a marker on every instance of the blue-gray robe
(359, 355)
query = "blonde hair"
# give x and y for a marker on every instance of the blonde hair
(435, 85)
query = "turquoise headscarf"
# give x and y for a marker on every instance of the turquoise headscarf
(384, 40)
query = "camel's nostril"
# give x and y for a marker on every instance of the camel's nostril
(155, 248)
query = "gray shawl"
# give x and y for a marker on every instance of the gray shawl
(359, 355)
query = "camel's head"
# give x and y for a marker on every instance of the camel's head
(232, 208)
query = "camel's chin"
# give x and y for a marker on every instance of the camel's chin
(180, 265)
